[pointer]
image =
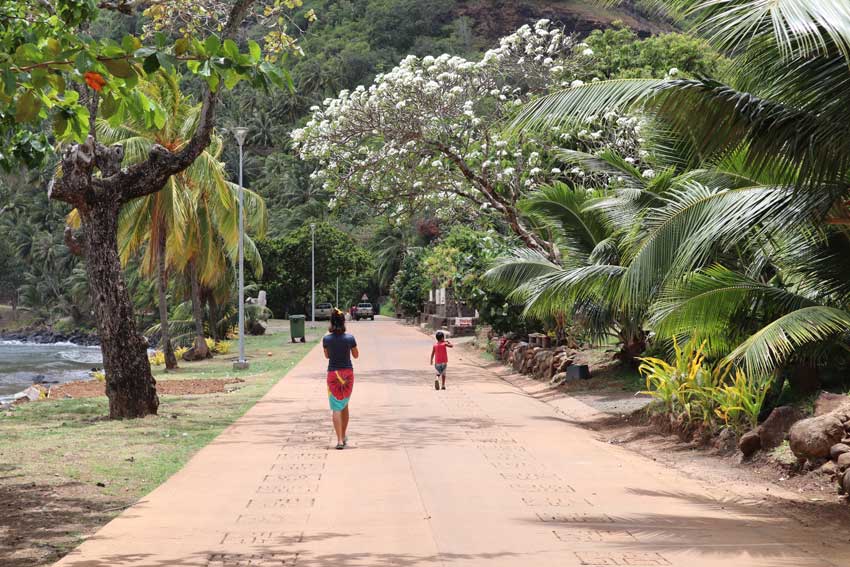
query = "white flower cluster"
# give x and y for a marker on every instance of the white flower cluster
(417, 122)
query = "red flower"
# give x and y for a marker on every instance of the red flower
(95, 80)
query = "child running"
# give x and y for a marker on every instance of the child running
(440, 358)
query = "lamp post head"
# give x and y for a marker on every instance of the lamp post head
(240, 133)
(312, 226)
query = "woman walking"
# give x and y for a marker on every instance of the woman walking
(339, 348)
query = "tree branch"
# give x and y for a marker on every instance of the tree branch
(150, 175)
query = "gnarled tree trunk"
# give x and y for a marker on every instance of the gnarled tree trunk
(130, 385)
(165, 335)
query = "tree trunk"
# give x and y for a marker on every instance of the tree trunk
(201, 350)
(213, 307)
(633, 347)
(165, 336)
(130, 386)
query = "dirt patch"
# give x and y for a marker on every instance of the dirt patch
(94, 388)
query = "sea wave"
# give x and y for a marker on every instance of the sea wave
(86, 356)
(62, 344)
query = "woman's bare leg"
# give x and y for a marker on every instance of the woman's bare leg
(344, 416)
(337, 419)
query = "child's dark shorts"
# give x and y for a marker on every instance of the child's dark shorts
(441, 368)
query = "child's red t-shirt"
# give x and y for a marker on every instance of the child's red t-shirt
(440, 354)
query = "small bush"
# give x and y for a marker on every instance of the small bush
(223, 347)
(696, 393)
(157, 358)
(99, 375)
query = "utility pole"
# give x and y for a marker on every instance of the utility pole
(240, 133)
(313, 273)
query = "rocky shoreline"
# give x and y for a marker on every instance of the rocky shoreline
(47, 336)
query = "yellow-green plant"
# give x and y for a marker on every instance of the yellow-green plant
(693, 389)
(157, 358)
(179, 352)
(739, 400)
(99, 375)
(222, 347)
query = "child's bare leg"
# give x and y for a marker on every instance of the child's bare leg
(337, 419)
(444, 379)
(344, 416)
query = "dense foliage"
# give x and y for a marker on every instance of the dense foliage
(287, 269)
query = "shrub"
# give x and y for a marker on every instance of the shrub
(157, 358)
(700, 394)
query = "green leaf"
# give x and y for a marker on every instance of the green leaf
(212, 44)
(27, 53)
(39, 78)
(144, 52)
(53, 46)
(10, 82)
(151, 64)
(255, 51)
(83, 62)
(118, 67)
(231, 78)
(231, 50)
(212, 81)
(60, 124)
(159, 118)
(27, 107)
(130, 43)
(108, 106)
(166, 61)
(181, 46)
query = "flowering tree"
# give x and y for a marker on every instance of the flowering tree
(52, 69)
(432, 129)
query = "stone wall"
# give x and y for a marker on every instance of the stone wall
(541, 363)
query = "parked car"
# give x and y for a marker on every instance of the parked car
(364, 311)
(324, 311)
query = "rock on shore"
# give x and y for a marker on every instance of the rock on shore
(46, 336)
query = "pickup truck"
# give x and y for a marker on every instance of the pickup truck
(364, 311)
(324, 311)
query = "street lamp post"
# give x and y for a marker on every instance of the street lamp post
(313, 273)
(240, 133)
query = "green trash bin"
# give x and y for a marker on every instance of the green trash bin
(296, 327)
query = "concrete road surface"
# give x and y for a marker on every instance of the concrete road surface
(479, 474)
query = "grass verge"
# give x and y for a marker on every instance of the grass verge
(65, 470)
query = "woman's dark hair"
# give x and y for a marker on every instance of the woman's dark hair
(440, 336)
(337, 322)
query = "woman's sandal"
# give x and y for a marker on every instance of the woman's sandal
(345, 441)
(340, 446)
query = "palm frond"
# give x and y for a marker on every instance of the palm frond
(578, 104)
(776, 342)
(523, 264)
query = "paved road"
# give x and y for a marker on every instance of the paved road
(480, 474)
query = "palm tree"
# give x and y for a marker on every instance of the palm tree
(211, 240)
(773, 151)
(192, 224)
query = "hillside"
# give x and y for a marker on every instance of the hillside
(496, 18)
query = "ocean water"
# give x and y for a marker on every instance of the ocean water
(22, 363)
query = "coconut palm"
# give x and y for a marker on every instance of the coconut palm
(192, 224)
(771, 147)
